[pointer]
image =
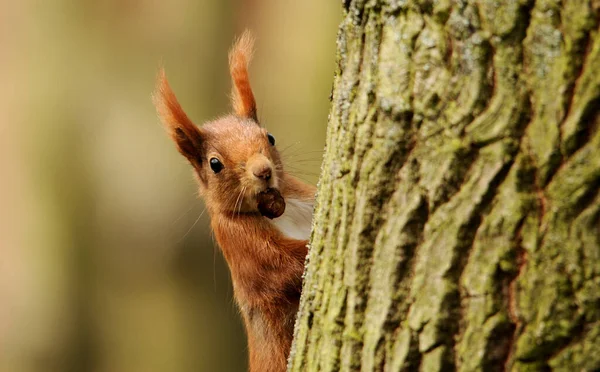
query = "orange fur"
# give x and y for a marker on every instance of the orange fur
(266, 268)
(266, 265)
(181, 129)
(242, 97)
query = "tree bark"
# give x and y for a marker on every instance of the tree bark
(457, 224)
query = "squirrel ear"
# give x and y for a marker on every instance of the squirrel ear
(242, 97)
(181, 129)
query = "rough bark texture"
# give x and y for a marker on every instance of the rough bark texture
(458, 216)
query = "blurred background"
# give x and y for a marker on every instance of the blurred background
(106, 260)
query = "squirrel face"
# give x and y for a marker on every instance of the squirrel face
(238, 160)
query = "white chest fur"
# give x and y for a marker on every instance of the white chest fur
(296, 221)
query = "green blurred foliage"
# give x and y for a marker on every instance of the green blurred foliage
(107, 262)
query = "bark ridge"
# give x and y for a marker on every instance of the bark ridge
(458, 214)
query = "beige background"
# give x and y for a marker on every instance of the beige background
(103, 266)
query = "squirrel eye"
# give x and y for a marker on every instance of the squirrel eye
(216, 165)
(271, 139)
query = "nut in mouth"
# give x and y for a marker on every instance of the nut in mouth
(270, 203)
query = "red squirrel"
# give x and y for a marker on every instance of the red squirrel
(260, 215)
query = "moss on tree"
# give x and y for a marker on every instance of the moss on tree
(458, 216)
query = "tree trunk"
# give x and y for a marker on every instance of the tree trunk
(457, 224)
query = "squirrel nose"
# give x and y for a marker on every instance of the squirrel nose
(263, 172)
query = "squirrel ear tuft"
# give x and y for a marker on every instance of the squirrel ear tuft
(181, 129)
(242, 97)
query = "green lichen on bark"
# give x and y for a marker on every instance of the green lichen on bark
(457, 224)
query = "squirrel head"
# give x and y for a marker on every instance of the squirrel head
(234, 158)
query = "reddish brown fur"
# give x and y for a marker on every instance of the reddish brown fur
(266, 266)
(180, 127)
(239, 58)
